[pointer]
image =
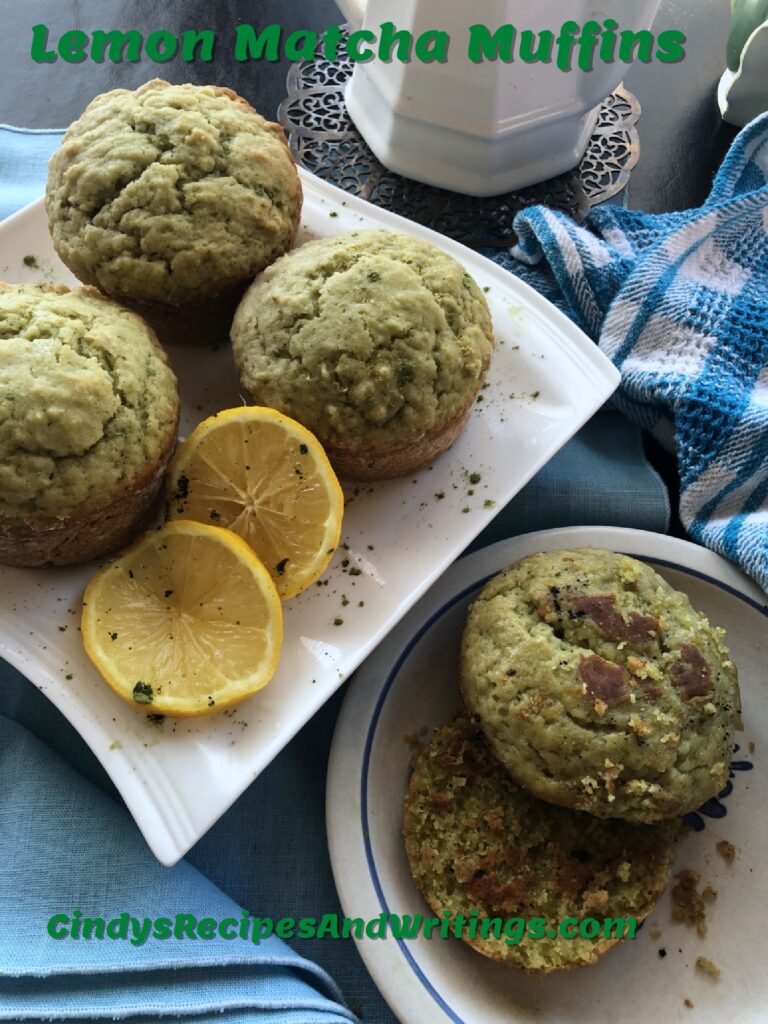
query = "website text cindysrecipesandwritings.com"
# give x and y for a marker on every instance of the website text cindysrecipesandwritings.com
(247, 928)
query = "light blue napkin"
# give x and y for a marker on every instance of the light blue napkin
(66, 847)
(24, 156)
(679, 302)
(67, 843)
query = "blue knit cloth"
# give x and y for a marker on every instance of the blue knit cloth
(679, 302)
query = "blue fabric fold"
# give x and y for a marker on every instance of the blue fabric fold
(679, 302)
(65, 846)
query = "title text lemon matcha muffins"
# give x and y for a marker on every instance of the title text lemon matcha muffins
(88, 417)
(376, 341)
(599, 687)
(173, 197)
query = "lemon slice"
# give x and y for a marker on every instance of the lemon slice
(267, 478)
(186, 622)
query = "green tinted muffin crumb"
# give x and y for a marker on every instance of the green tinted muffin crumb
(143, 693)
(476, 842)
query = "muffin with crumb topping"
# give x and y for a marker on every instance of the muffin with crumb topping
(599, 686)
(377, 342)
(171, 198)
(483, 850)
(89, 412)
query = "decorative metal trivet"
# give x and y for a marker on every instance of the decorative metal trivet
(324, 140)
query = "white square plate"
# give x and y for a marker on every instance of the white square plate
(178, 778)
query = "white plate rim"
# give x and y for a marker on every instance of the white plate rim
(346, 781)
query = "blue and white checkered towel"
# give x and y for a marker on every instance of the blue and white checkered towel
(679, 302)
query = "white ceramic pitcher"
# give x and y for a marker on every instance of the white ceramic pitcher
(481, 128)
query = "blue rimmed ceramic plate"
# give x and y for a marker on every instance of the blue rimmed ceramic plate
(410, 683)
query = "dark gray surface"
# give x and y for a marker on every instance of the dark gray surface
(52, 95)
(683, 139)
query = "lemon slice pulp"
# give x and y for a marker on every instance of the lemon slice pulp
(186, 622)
(268, 479)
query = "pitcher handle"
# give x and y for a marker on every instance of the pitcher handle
(353, 11)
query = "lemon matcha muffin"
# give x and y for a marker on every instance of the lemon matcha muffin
(599, 686)
(173, 197)
(88, 415)
(376, 341)
(478, 844)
